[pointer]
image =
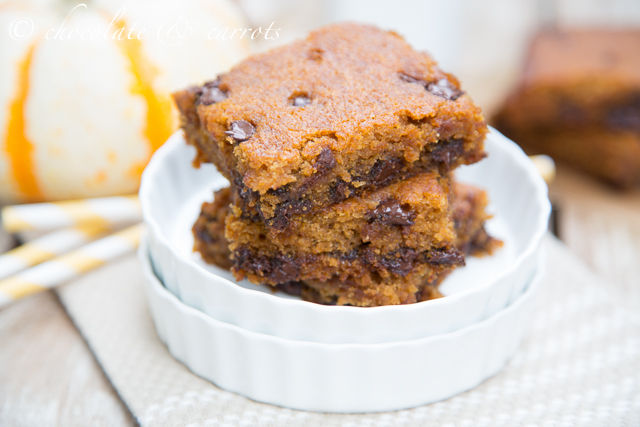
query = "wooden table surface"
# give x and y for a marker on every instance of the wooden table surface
(49, 377)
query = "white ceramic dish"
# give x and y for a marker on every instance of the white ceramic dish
(172, 192)
(345, 378)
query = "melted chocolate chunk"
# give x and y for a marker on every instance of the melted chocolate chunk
(244, 259)
(212, 95)
(285, 211)
(200, 230)
(291, 288)
(212, 83)
(340, 192)
(445, 89)
(301, 101)
(407, 78)
(400, 263)
(447, 152)
(404, 264)
(282, 217)
(284, 270)
(446, 257)
(390, 212)
(384, 171)
(278, 269)
(241, 130)
(280, 221)
(325, 161)
(353, 254)
(442, 88)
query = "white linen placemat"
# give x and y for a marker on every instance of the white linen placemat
(580, 365)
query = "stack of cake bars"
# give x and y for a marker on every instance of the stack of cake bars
(340, 151)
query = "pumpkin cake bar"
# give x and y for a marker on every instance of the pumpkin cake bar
(469, 217)
(382, 244)
(418, 282)
(349, 109)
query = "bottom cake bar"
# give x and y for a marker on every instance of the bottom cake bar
(469, 216)
(420, 283)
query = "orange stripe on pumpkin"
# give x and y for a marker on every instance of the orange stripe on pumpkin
(19, 149)
(159, 125)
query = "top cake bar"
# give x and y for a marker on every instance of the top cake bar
(349, 108)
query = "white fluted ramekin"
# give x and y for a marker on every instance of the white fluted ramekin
(172, 192)
(344, 378)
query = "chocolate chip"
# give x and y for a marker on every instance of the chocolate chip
(340, 191)
(284, 211)
(278, 269)
(249, 197)
(301, 101)
(197, 90)
(325, 161)
(315, 54)
(211, 95)
(447, 152)
(245, 259)
(391, 212)
(445, 89)
(407, 78)
(404, 264)
(295, 202)
(212, 83)
(241, 130)
(400, 263)
(284, 270)
(384, 171)
(291, 288)
(201, 232)
(280, 222)
(446, 257)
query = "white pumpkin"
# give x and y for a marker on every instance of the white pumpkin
(81, 118)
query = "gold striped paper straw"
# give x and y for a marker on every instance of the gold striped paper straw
(102, 211)
(47, 247)
(66, 267)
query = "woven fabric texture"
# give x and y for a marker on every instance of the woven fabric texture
(579, 366)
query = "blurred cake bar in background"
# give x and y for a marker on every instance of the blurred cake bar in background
(579, 102)
(469, 216)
